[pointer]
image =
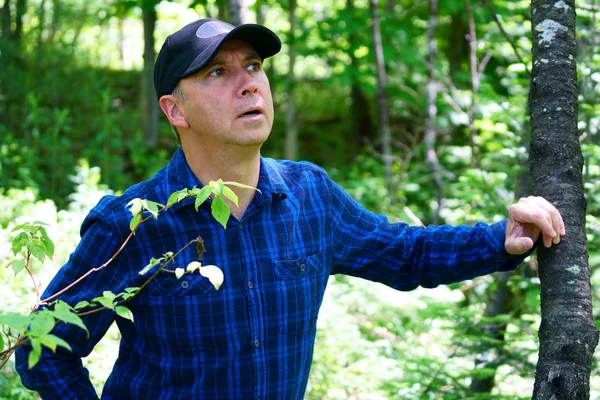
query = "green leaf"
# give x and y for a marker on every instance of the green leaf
(48, 244)
(152, 207)
(18, 242)
(217, 187)
(220, 211)
(153, 263)
(34, 356)
(214, 275)
(1, 341)
(135, 221)
(194, 265)
(17, 265)
(16, 321)
(62, 311)
(82, 304)
(124, 312)
(106, 301)
(230, 194)
(136, 206)
(51, 341)
(41, 323)
(179, 272)
(38, 251)
(202, 196)
(177, 196)
(132, 289)
(241, 185)
(36, 222)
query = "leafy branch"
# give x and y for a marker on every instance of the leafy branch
(34, 242)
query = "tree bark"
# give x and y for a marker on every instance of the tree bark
(19, 12)
(430, 132)
(291, 132)
(149, 105)
(6, 19)
(238, 12)
(363, 125)
(568, 335)
(382, 101)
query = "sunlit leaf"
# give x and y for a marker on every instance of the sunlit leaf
(241, 185)
(34, 356)
(135, 221)
(41, 323)
(17, 265)
(63, 312)
(38, 251)
(51, 341)
(48, 244)
(153, 263)
(81, 304)
(214, 275)
(230, 194)
(220, 211)
(179, 272)
(124, 312)
(202, 196)
(194, 265)
(135, 206)
(16, 321)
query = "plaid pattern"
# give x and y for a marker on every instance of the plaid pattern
(254, 338)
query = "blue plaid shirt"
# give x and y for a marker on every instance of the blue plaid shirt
(254, 338)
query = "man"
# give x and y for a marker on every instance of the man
(252, 339)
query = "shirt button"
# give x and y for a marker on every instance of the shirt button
(185, 284)
(302, 267)
(256, 343)
(241, 226)
(250, 284)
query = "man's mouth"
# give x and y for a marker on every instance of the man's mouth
(251, 113)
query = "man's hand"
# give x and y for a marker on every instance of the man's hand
(527, 219)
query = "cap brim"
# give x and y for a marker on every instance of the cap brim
(265, 42)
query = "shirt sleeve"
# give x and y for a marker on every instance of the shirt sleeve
(404, 257)
(61, 375)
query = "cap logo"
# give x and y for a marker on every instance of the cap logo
(213, 28)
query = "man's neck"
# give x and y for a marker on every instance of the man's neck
(240, 166)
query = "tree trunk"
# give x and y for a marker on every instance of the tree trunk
(149, 105)
(6, 29)
(238, 12)
(222, 10)
(19, 12)
(362, 126)
(430, 132)
(291, 133)
(568, 335)
(382, 101)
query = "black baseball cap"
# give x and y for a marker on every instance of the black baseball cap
(192, 47)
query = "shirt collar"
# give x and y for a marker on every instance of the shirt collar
(270, 181)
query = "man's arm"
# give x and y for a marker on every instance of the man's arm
(61, 375)
(404, 257)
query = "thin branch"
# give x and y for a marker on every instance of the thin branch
(512, 43)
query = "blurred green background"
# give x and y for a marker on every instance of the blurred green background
(78, 120)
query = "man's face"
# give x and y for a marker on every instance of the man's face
(229, 102)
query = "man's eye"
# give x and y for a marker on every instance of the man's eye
(216, 72)
(255, 66)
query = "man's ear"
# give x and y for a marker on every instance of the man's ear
(170, 106)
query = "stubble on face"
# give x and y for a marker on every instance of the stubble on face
(229, 102)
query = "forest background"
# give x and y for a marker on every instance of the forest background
(431, 129)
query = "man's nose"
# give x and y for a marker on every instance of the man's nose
(247, 85)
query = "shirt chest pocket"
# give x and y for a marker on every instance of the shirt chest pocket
(299, 286)
(167, 284)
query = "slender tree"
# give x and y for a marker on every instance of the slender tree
(382, 99)
(238, 12)
(291, 128)
(149, 105)
(568, 335)
(432, 86)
